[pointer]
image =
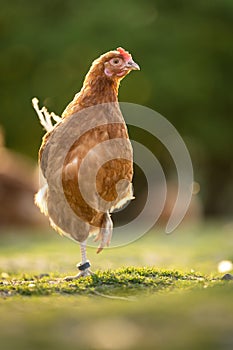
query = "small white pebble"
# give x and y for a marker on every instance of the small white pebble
(225, 266)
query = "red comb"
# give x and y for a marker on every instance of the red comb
(124, 53)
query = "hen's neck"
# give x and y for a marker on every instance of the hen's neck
(98, 90)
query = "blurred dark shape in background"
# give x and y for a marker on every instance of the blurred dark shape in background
(194, 213)
(185, 51)
(17, 187)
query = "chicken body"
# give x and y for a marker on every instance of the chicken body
(86, 158)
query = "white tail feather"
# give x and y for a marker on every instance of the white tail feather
(41, 200)
(44, 116)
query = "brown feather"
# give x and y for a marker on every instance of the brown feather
(97, 89)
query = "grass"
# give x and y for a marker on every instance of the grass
(162, 292)
(128, 281)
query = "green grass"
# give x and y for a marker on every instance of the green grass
(128, 281)
(160, 292)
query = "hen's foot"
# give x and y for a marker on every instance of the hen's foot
(84, 272)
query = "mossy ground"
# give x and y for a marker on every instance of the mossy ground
(125, 282)
(146, 295)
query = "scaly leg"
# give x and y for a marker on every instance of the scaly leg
(83, 266)
(105, 233)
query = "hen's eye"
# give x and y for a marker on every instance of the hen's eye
(116, 61)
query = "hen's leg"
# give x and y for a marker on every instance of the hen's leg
(83, 266)
(106, 233)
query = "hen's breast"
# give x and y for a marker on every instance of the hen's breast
(98, 171)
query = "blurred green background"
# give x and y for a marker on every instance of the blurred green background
(185, 51)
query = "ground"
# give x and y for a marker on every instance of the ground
(162, 291)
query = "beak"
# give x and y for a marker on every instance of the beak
(132, 65)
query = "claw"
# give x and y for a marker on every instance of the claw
(99, 250)
(84, 273)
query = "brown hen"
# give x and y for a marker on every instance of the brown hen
(86, 158)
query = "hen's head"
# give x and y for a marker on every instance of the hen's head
(116, 64)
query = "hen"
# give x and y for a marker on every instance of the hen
(86, 158)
